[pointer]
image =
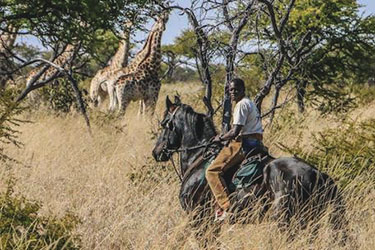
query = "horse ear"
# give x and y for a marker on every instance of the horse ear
(177, 100)
(168, 103)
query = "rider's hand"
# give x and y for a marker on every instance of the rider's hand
(215, 139)
(225, 143)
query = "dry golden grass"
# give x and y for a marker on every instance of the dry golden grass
(127, 201)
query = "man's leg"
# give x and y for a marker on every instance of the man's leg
(227, 158)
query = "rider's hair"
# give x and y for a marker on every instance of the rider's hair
(239, 82)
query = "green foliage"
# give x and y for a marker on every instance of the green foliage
(364, 94)
(184, 44)
(22, 228)
(101, 50)
(346, 40)
(8, 122)
(342, 99)
(343, 49)
(68, 21)
(346, 152)
(58, 96)
(27, 51)
(333, 100)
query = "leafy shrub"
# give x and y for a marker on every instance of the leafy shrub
(332, 100)
(365, 94)
(22, 228)
(107, 121)
(346, 152)
(58, 96)
(8, 122)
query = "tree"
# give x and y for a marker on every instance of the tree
(62, 24)
(342, 46)
(295, 44)
(68, 21)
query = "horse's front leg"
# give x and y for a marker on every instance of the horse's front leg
(111, 95)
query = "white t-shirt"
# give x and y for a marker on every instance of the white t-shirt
(246, 114)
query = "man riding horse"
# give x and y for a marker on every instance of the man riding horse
(287, 186)
(246, 135)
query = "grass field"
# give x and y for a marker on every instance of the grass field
(126, 200)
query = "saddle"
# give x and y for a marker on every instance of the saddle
(249, 172)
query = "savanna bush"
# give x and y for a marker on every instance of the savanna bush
(9, 121)
(58, 96)
(346, 152)
(364, 93)
(21, 227)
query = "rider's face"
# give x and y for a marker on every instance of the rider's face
(236, 92)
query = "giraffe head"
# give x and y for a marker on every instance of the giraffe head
(161, 21)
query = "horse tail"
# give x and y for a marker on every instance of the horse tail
(266, 177)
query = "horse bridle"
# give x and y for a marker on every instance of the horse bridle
(166, 124)
(165, 149)
(169, 152)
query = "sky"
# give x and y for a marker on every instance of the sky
(177, 23)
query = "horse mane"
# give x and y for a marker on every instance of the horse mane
(203, 127)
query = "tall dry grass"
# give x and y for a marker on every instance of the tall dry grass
(127, 201)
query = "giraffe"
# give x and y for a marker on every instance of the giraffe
(98, 86)
(141, 82)
(7, 41)
(131, 67)
(42, 75)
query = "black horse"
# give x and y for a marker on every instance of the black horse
(289, 184)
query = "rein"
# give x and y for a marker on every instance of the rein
(178, 150)
(171, 151)
(175, 169)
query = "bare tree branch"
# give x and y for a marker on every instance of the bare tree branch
(74, 85)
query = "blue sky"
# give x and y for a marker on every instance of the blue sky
(178, 22)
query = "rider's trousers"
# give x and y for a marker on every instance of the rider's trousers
(228, 157)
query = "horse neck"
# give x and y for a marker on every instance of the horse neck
(187, 158)
(189, 139)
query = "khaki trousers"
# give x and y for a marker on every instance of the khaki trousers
(228, 157)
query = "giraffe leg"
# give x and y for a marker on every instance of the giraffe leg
(150, 104)
(141, 109)
(124, 94)
(115, 99)
(151, 100)
(112, 97)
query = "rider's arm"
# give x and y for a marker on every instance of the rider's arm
(231, 134)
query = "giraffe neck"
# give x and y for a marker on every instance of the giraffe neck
(120, 59)
(141, 55)
(65, 56)
(60, 60)
(152, 62)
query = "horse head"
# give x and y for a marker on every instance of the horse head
(182, 127)
(170, 138)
